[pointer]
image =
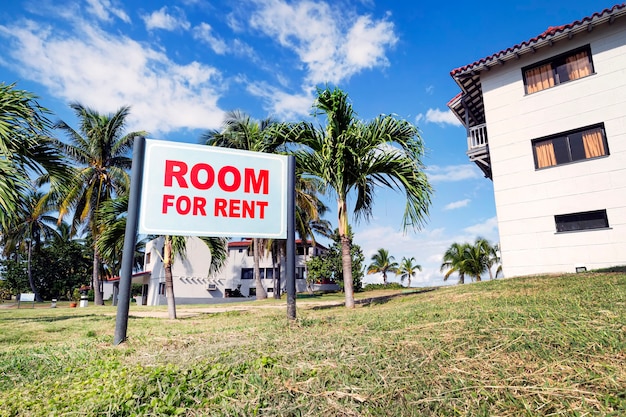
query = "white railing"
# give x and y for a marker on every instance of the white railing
(477, 137)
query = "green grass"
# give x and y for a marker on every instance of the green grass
(520, 347)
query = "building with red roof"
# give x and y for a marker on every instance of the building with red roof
(546, 122)
(194, 285)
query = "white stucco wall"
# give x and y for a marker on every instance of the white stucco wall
(528, 199)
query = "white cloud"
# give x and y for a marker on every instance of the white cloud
(457, 204)
(282, 104)
(487, 228)
(106, 71)
(331, 46)
(441, 117)
(102, 8)
(161, 19)
(451, 173)
(205, 33)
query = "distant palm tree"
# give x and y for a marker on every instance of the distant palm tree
(491, 256)
(472, 260)
(240, 131)
(475, 260)
(382, 263)
(354, 157)
(33, 221)
(454, 261)
(408, 269)
(101, 151)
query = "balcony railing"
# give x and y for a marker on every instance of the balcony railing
(477, 137)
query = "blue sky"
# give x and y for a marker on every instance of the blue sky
(182, 64)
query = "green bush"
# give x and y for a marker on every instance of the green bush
(389, 286)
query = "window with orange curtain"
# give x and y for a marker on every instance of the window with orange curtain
(544, 153)
(576, 145)
(593, 143)
(578, 66)
(562, 68)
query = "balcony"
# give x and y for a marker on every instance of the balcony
(478, 148)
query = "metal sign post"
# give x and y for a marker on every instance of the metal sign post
(291, 239)
(130, 239)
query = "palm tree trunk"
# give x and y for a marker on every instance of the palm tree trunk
(31, 282)
(346, 258)
(260, 291)
(95, 279)
(169, 281)
(384, 278)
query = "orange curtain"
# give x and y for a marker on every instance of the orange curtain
(578, 65)
(545, 154)
(539, 78)
(593, 143)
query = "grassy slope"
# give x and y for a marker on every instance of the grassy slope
(531, 346)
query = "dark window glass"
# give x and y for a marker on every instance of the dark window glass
(269, 273)
(577, 148)
(581, 221)
(247, 273)
(561, 150)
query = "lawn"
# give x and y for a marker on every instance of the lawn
(528, 346)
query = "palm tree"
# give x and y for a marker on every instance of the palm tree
(25, 149)
(174, 246)
(101, 151)
(32, 222)
(354, 157)
(408, 269)
(110, 243)
(475, 260)
(242, 132)
(382, 263)
(454, 261)
(491, 255)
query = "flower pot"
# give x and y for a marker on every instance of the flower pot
(73, 304)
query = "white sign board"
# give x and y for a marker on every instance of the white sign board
(199, 190)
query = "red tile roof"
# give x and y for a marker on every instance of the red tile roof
(543, 39)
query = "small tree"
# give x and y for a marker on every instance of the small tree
(330, 265)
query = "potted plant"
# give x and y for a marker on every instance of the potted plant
(75, 298)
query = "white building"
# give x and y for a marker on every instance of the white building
(194, 285)
(546, 121)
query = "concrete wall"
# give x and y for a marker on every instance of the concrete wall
(527, 199)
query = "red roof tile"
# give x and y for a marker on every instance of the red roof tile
(550, 32)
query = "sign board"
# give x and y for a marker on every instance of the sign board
(199, 190)
(27, 297)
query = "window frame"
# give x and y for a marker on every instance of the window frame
(561, 221)
(567, 137)
(556, 62)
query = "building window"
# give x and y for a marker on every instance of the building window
(247, 273)
(269, 273)
(148, 258)
(161, 288)
(300, 272)
(576, 145)
(581, 221)
(566, 67)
